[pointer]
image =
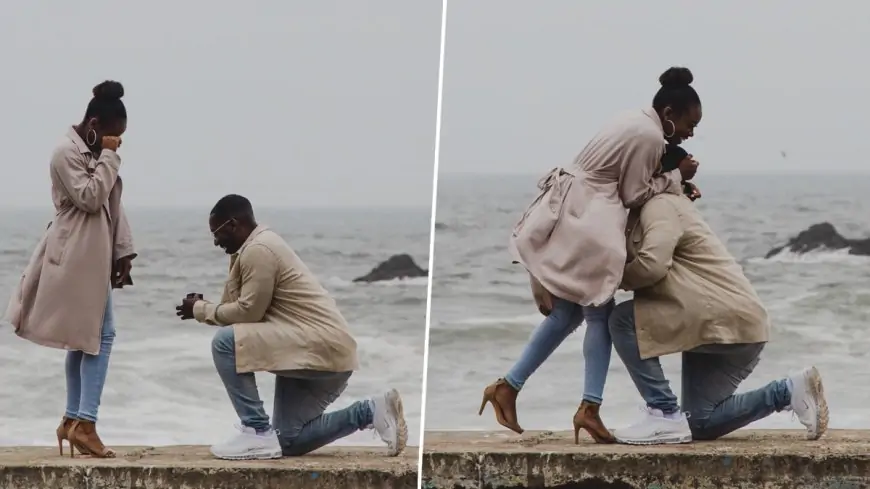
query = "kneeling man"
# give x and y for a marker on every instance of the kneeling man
(691, 297)
(274, 316)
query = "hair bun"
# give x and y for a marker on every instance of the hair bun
(109, 90)
(676, 77)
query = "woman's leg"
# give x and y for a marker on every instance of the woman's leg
(95, 367)
(597, 347)
(562, 321)
(73, 367)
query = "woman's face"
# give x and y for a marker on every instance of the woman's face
(684, 123)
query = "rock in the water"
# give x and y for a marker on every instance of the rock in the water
(822, 236)
(397, 266)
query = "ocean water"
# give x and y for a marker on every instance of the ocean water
(482, 311)
(162, 387)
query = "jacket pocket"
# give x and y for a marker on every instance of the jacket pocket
(55, 245)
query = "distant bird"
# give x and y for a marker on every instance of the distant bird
(783, 153)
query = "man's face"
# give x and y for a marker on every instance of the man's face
(224, 233)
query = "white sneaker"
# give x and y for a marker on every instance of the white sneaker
(808, 402)
(655, 429)
(249, 445)
(389, 421)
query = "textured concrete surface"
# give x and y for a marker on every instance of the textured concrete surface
(774, 459)
(191, 467)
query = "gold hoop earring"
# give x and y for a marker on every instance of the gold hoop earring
(88, 138)
(673, 129)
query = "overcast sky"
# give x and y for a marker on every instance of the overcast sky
(528, 83)
(291, 103)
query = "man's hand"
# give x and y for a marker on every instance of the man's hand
(692, 191)
(688, 167)
(542, 296)
(121, 270)
(185, 310)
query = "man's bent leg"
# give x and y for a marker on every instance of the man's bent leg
(662, 422)
(257, 439)
(711, 375)
(299, 411)
(242, 388)
(647, 375)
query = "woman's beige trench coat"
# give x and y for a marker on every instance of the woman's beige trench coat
(61, 298)
(572, 237)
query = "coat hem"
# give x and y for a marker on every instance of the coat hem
(647, 353)
(55, 344)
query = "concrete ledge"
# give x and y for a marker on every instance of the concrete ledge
(191, 467)
(773, 459)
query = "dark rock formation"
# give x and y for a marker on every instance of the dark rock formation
(823, 236)
(397, 266)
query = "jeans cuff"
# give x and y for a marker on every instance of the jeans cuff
(259, 428)
(518, 386)
(592, 398)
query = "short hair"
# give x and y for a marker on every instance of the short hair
(674, 155)
(233, 206)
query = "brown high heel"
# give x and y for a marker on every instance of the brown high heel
(63, 434)
(503, 398)
(83, 435)
(588, 418)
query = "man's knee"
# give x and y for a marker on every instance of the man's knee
(224, 341)
(699, 430)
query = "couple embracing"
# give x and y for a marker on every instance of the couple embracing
(622, 217)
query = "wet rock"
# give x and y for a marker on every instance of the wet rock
(397, 266)
(822, 236)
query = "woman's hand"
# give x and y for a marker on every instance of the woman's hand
(688, 167)
(543, 298)
(121, 271)
(111, 142)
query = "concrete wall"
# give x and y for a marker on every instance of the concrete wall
(193, 468)
(749, 460)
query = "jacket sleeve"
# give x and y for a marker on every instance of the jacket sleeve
(87, 190)
(259, 273)
(638, 181)
(662, 229)
(123, 246)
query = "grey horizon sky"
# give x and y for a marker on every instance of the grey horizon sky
(316, 104)
(526, 84)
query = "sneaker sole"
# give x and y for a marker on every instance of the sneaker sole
(657, 441)
(817, 392)
(397, 411)
(251, 456)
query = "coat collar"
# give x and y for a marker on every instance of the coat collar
(652, 114)
(257, 231)
(77, 140)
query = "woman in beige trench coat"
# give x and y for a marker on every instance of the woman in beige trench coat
(64, 297)
(571, 241)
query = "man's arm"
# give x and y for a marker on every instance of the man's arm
(662, 229)
(259, 269)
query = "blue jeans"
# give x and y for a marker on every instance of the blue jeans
(86, 374)
(711, 375)
(301, 397)
(565, 317)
